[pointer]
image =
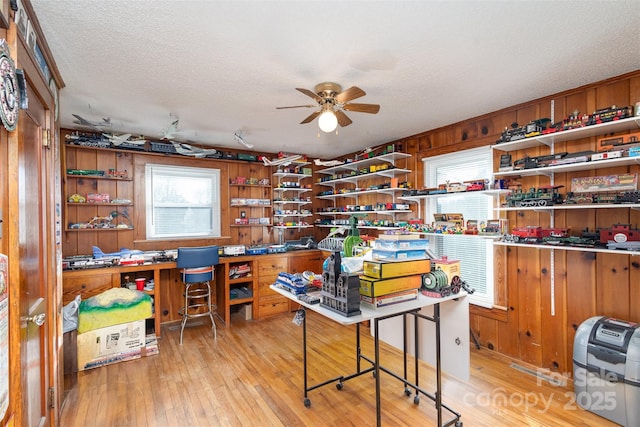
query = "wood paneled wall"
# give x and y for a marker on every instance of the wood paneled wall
(524, 325)
(134, 162)
(537, 317)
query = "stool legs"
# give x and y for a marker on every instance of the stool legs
(197, 293)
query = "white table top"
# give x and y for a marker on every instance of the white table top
(366, 312)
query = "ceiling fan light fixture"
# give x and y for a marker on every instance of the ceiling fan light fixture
(328, 122)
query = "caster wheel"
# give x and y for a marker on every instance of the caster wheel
(373, 374)
(339, 386)
(416, 400)
(407, 392)
(307, 403)
(458, 423)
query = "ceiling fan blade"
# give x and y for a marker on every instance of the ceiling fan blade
(311, 117)
(297, 106)
(310, 94)
(343, 120)
(362, 108)
(347, 95)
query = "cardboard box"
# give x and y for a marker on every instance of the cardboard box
(387, 270)
(389, 299)
(399, 255)
(246, 311)
(111, 344)
(150, 346)
(377, 287)
(591, 184)
(395, 245)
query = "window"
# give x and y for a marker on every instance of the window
(182, 202)
(475, 254)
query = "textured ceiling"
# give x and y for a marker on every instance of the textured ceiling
(224, 66)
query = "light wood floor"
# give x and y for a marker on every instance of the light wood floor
(252, 376)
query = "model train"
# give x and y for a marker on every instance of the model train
(573, 121)
(436, 284)
(618, 236)
(541, 196)
(608, 197)
(535, 234)
(549, 195)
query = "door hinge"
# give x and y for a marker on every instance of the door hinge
(46, 138)
(52, 397)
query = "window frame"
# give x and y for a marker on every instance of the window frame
(212, 174)
(483, 296)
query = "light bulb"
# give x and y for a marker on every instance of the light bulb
(328, 121)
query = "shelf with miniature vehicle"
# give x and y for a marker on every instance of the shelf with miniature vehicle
(366, 163)
(288, 192)
(361, 176)
(615, 239)
(112, 174)
(104, 223)
(445, 225)
(575, 126)
(606, 191)
(96, 199)
(479, 186)
(384, 188)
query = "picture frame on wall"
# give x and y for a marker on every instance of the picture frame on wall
(21, 18)
(4, 13)
(31, 36)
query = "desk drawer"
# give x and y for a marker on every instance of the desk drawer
(85, 286)
(272, 305)
(272, 266)
(264, 284)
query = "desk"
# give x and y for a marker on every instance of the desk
(90, 282)
(401, 310)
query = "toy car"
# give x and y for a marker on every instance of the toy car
(76, 198)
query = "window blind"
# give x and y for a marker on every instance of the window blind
(475, 254)
(182, 201)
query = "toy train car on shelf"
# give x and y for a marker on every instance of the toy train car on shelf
(619, 233)
(618, 236)
(573, 121)
(535, 234)
(624, 197)
(516, 132)
(547, 195)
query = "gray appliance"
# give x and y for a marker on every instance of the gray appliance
(606, 369)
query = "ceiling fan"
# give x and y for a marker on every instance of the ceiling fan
(332, 100)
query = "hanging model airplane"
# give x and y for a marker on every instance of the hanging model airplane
(117, 140)
(84, 122)
(189, 150)
(171, 131)
(238, 137)
(327, 163)
(284, 161)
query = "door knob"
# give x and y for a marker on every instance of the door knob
(38, 319)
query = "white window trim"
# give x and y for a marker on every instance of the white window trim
(214, 174)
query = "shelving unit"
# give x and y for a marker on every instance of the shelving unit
(290, 195)
(250, 204)
(570, 135)
(114, 182)
(345, 180)
(496, 194)
(632, 123)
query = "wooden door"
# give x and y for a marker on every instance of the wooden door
(34, 334)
